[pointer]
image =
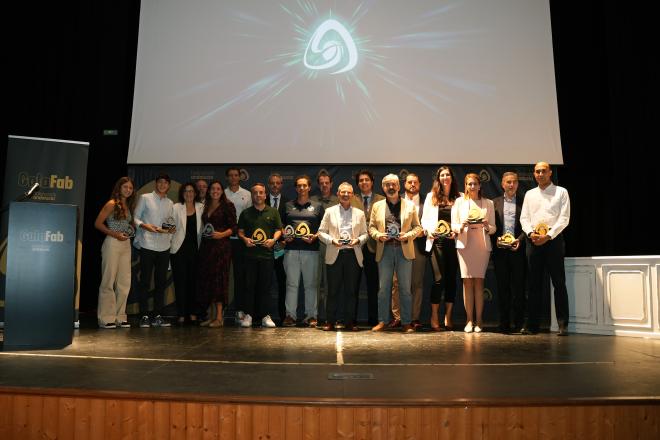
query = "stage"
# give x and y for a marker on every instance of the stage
(301, 369)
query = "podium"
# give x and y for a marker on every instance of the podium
(40, 281)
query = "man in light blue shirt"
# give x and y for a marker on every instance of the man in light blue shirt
(153, 216)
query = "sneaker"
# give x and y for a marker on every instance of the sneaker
(477, 329)
(311, 322)
(158, 321)
(240, 316)
(246, 322)
(108, 325)
(145, 322)
(268, 322)
(468, 328)
(122, 324)
(289, 322)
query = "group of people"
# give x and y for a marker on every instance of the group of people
(330, 241)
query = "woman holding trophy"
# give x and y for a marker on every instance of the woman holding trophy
(219, 220)
(184, 250)
(473, 220)
(116, 221)
(436, 219)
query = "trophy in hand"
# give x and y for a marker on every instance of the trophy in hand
(442, 229)
(168, 224)
(541, 229)
(302, 230)
(208, 230)
(393, 231)
(506, 241)
(475, 215)
(345, 238)
(128, 231)
(259, 237)
(289, 232)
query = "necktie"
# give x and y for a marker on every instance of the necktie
(276, 202)
(366, 203)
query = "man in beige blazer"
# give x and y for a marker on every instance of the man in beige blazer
(364, 200)
(394, 224)
(344, 231)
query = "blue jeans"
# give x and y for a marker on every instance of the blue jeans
(391, 261)
(295, 264)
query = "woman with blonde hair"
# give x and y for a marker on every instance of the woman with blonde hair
(473, 220)
(116, 221)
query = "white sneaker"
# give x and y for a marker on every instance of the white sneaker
(246, 322)
(468, 328)
(267, 322)
(477, 329)
(240, 316)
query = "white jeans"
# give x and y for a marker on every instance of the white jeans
(295, 264)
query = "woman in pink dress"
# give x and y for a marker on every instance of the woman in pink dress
(473, 220)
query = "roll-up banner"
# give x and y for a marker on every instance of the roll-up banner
(59, 167)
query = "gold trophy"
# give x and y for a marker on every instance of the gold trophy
(302, 230)
(442, 229)
(259, 237)
(506, 241)
(475, 215)
(541, 229)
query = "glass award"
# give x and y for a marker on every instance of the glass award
(128, 231)
(393, 231)
(345, 238)
(259, 237)
(289, 232)
(506, 241)
(208, 230)
(442, 229)
(168, 223)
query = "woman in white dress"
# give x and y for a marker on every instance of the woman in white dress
(473, 220)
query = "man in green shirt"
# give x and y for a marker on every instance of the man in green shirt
(259, 226)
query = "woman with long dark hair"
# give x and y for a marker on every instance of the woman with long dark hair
(442, 246)
(215, 252)
(116, 221)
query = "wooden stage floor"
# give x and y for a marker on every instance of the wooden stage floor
(307, 366)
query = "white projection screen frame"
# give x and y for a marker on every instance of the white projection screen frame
(342, 82)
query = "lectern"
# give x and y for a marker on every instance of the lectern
(40, 281)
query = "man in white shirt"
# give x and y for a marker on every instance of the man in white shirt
(153, 213)
(242, 199)
(545, 213)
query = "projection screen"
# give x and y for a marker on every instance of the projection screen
(341, 82)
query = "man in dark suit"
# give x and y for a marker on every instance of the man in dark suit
(510, 262)
(364, 199)
(277, 200)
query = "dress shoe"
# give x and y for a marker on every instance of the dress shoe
(415, 323)
(436, 329)
(311, 322)
(289, 322)
(378, 327)
(563, 330)
(339, 325)
(528, 331)
(353, 327)
(395, 323)
(408, 328)
(328, 327)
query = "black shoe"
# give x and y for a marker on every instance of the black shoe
(529, 331)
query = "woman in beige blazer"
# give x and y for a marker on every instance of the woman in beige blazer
(473, 220)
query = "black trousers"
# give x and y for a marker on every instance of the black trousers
(343, 287)
(238, 263)
(370, 271)
(153, 263)
(445, 261)
(510, 269)
(549, 256)
(256, 300)
(280, 276)
(184, 272)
